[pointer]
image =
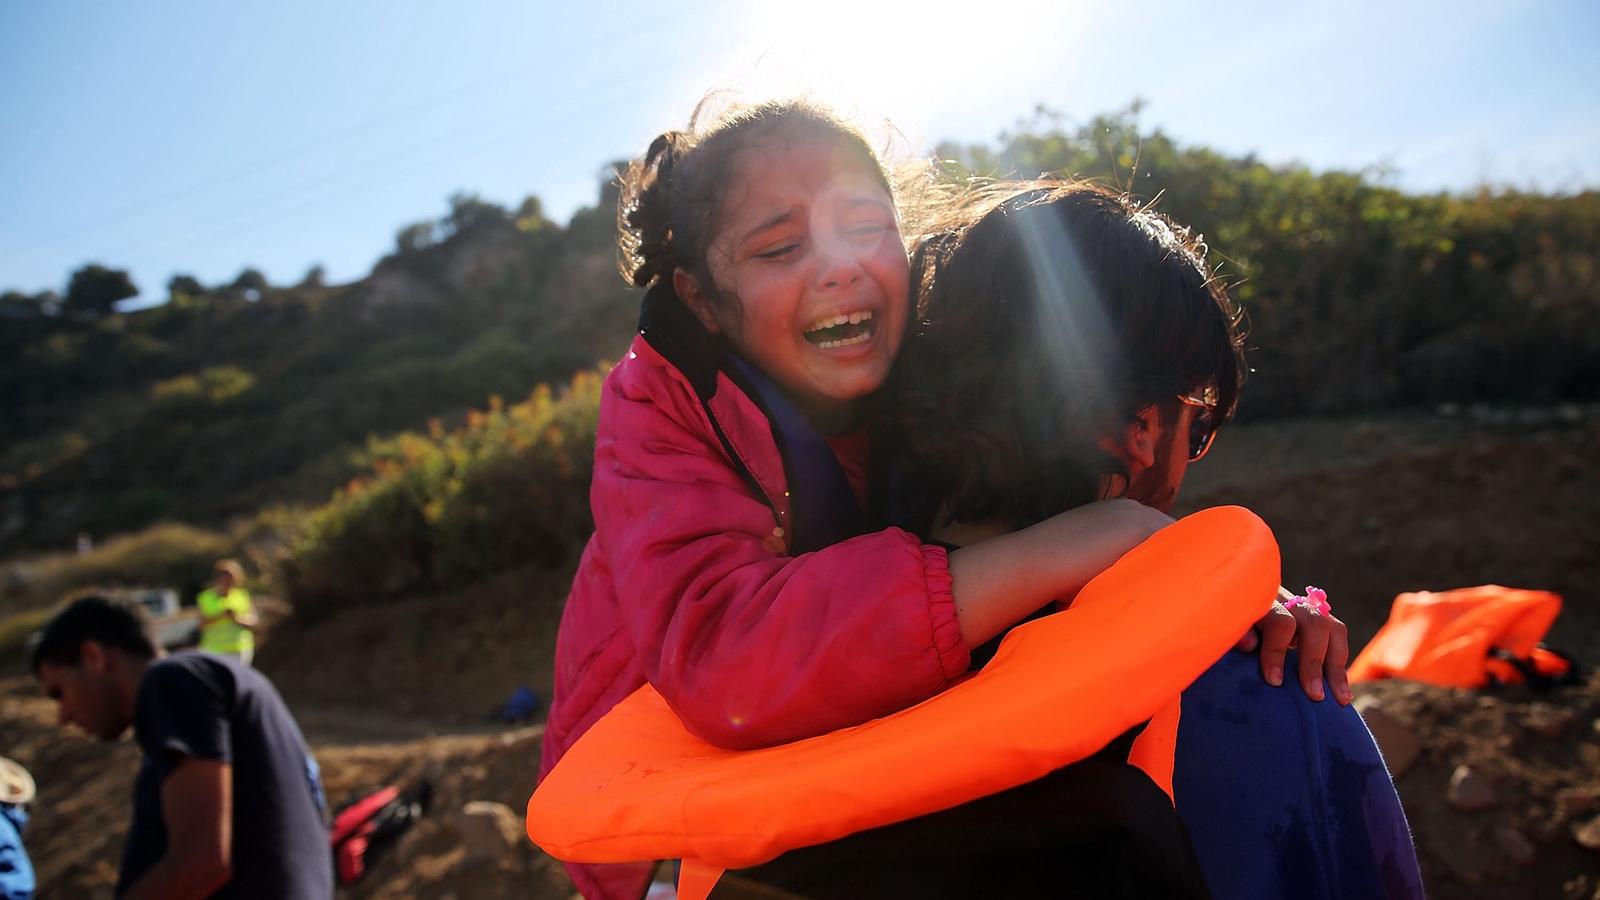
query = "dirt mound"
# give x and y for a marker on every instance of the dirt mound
(1504, 781)
(1537, 757)
(1366, 508)
(452, 657)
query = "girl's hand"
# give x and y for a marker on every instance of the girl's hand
(1323, 641)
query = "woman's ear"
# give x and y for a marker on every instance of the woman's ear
(1134, 444)
(688, 289)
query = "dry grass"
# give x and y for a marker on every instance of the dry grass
(165, 554)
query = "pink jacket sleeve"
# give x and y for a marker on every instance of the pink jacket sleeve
(748, 646)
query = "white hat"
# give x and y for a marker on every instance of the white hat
(16, 785)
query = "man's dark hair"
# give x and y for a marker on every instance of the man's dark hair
(1047, 314)
(111, 620)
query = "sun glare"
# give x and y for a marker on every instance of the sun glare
(887, 64)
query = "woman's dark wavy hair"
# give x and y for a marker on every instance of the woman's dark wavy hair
(1047, 314)
(672, 198)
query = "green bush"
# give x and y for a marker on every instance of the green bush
(507, 488)
(1359, 295)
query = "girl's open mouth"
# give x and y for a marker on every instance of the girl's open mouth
(842, 331)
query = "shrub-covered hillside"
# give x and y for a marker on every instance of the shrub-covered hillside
(230, 398)
(216, 404)
(1359, 296)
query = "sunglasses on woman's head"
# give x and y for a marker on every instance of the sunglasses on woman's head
(1203, 427)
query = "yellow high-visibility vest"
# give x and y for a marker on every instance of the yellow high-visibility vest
(225, 636)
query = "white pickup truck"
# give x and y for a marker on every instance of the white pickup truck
(171, 625)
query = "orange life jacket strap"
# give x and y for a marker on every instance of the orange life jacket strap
(1155, 749)
(1551, 664)
(696, 879)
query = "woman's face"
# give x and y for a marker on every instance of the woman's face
(1156, 484)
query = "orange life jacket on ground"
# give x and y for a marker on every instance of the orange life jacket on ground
(1467, 638)
(639, 786)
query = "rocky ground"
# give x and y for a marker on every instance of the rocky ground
(1502, 788)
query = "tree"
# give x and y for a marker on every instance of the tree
(316, 277)
(468, 213)
(250, 284)
(530, 215)
(17, 305)
(94, 291)
(413, 239)
(184, 285)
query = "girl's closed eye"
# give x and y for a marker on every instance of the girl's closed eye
(779, 251)
(867, 231)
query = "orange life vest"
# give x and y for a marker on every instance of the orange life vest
(639, 786)
(1463, 638)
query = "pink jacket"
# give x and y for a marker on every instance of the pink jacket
(687, 582)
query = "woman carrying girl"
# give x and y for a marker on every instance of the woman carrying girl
(732, 566)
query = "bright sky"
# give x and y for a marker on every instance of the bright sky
(202, 137)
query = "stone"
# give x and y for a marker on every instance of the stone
(1398, 743)
(1587, 834)
(1577, 888)
(1515, 846)
(1468, 792)
(489, 831)
(1550, 721)
(1574, 802)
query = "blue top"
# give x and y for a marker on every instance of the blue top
(16, 873)
(1324, 820)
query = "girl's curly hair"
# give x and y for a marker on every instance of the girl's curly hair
(672, 197)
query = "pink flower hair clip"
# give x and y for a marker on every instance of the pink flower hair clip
(1315, 599)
